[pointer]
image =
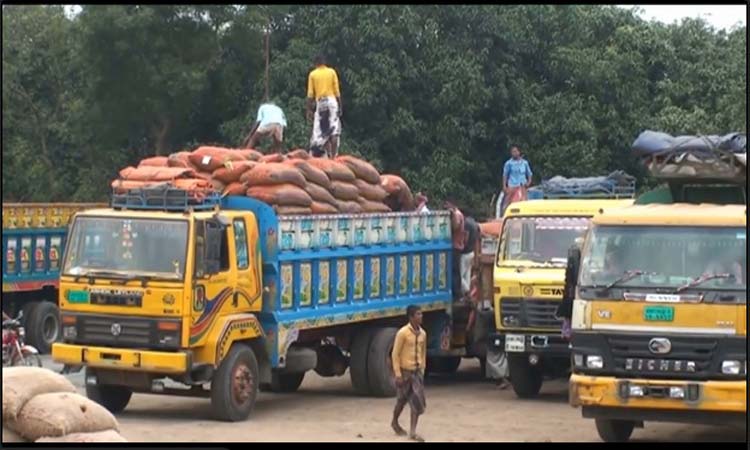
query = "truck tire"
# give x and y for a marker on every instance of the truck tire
(525, 378)
(234, 387)
(379, 366)
(114, 398)
(43, 326)
(443, 364)
(614, 430)
(358, 360)
(282, 383)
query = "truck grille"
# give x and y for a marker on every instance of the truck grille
(116, 300)
(692, 355)
(128, 332)
(531, 313)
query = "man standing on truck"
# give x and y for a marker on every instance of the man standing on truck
(409, 359)
(516, 178)
(324, 101)
(270, 121)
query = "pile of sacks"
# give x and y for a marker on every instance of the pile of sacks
(40, 405)
(293, 184)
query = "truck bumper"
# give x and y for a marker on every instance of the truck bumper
(549, 344)
(705, 402)
(122, 359)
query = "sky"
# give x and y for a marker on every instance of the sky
(719, 16)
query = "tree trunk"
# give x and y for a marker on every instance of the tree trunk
(160, 136)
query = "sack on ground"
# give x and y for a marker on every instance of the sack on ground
(21, 384)
(58, 414)
(362, 169)
(273, 173)
(281, 195)
(372, 192)
(98, 436)
(311, 173)
(344, 191)
(155, 161)
(336, 171)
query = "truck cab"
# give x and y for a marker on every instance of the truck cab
(529, 278)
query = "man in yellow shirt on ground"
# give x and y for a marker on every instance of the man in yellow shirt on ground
(409, 360)
(324, 98)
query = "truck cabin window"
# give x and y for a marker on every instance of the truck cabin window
(710, 258)
(110, 247)
(543, 240)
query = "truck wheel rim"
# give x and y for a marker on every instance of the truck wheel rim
(242, 384)
(49, 329)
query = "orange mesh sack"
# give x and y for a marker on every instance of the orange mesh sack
(350, 208)
(235, 188)
(232, 171)
(344, 191)
(292, 210)
(208, 159)
(362, 169)
(149, 173)
(281, 195)
(298, 154)
(373, 207)
(272, 158)
(179, 159)
(323, 208)
(273, 173)
(335, 170)
(320, 194)
(155, 161)
(250, 154)
(372, 192)
(311, 173)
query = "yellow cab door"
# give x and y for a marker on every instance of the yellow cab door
(248, 293)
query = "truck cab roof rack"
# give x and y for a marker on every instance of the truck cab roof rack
(617, 185)
(165, 198)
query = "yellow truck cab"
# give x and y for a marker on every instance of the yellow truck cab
(217, 297)
(529, 275)
(660, 313)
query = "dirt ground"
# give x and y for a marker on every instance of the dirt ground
(459, 408)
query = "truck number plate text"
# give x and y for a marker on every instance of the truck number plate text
(515, 343)
(658, 313)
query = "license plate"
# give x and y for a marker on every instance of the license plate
(515, 343)
(658, 313)
(78, 297)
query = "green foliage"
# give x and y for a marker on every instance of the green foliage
(434, 93)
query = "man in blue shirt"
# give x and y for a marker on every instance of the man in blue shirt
(516, 178)
(271, 121)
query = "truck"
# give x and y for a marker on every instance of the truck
(33, 242)
(165, 293)
(529, 276)
(664, 337)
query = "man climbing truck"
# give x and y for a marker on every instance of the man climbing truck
(529, 275)
(224, 291)
(33, 242)
(660, 313)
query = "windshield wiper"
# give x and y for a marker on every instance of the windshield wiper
(626, 276)
(703, 279)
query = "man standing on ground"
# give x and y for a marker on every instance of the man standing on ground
(324, 101)
(516, 177)
(271, 121)
(409, 360)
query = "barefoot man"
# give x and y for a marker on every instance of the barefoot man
(409, 359)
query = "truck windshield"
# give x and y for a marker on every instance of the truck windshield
(111, 247)
(543, 240)
(681, 258)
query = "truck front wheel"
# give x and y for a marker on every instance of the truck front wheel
(114, 398)
(525, 378)
(43, 326)
(234, 387)
(614, 430)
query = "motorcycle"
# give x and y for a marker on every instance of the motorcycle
(15, 351)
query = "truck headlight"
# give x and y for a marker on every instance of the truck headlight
(594, 362)
(677, 392)
(731, 367)
(636, 391)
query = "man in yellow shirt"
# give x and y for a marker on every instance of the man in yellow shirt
(324, 98)
(409, 358)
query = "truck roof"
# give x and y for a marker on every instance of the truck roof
(566, 207)
(677, 214)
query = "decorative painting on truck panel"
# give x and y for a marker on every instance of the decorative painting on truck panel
(324, 282)
(390, 276)
(359, 279)
(286, 286)
(375, 277)
(429, 284)
(442, 271)
(341, 280)
(417, 273)
(305, 279)
(403, 275)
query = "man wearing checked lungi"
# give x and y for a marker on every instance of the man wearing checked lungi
(324, 108)
(409, 359)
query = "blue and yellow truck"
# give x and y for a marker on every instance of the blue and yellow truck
(224, 292)
(33, 242)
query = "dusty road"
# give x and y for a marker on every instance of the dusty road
(460, 408)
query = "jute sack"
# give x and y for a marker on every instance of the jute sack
(21, 384)
(98, 436)
(344, 191)
(362, 169)
(320, 194)
(62, 413)
(311, 173)
(10, 436)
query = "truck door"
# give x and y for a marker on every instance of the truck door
(247, 295)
